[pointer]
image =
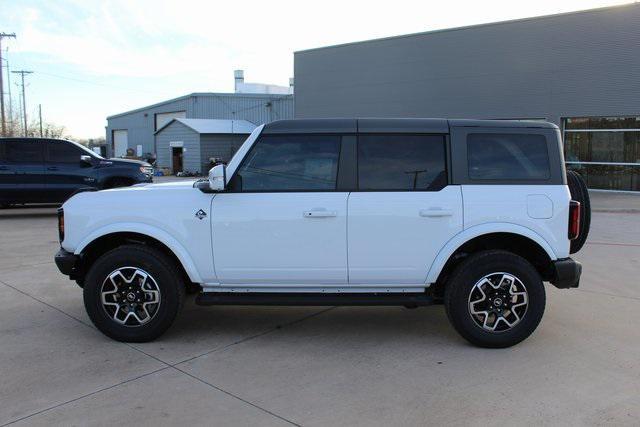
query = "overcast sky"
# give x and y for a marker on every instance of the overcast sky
(92, 59)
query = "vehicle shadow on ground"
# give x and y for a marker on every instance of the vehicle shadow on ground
(374, 324)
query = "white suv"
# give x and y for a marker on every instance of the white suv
(472, 214)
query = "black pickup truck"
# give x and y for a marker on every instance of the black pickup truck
(42, 170)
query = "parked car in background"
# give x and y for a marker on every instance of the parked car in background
(42, 170)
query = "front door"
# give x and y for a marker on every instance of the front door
(176, 159)
(282, 223)
(403, 212)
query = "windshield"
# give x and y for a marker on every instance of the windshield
(86, 150)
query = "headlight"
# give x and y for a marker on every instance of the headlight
(147, 170)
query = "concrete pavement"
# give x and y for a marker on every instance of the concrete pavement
(320, 366)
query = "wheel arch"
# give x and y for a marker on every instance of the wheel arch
(115, 235)
(514, 238)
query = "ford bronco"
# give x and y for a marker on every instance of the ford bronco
(473, 214)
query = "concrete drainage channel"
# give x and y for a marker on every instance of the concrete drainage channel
(320, 365)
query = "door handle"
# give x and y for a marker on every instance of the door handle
(319, 213)
(436, 212)
(52, 168)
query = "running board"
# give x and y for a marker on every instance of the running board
(315, 299)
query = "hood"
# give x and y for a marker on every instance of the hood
(174, 185)
(127, 162)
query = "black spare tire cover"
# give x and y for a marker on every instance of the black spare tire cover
(579, 193)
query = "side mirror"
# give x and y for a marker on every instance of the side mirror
(85, 159)
(218, 178)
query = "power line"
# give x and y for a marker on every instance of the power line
(24, 100)
(4, 126)
(95, 83)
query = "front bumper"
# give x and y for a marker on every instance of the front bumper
(566, 273)
(66, 262)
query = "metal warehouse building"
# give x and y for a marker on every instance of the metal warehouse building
(579, 70)
(138, 129)
(190, 144)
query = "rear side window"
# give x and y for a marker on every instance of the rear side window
(60, 152)
(291, 163)
(401, 162)
(494, 156)
(23, 151)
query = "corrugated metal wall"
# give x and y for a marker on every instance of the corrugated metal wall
(220, 146)
(176, 131)
(256, 108)
(580, 64)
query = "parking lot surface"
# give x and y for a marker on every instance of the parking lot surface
(320, 366)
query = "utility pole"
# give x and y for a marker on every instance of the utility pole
(40, 114)
(24, 101)
(10, 115)
(4, 125)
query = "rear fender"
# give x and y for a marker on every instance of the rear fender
(479, 230)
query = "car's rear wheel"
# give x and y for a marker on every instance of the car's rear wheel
(580, 193)
(133, 293)
(495, 299)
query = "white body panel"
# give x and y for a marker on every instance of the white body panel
(280, 238)
(521, 205)
(395, 236)
(165, 212)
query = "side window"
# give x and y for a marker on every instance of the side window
(23, 152)
(495, 156)
(291, 163)
(61, 152)
(401, 162)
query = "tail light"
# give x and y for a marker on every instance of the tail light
(60, 224)
(574, 219)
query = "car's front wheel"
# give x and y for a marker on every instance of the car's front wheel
(495, 299)
(133, 293)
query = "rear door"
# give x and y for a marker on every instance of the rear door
(22, 177)
(403, 212)
(66, 173)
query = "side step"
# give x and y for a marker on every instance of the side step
(317, 299)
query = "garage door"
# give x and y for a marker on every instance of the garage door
(120, 142)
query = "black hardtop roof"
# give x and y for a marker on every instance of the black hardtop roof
(392, 125)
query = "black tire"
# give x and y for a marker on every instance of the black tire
(462, 282)
(164, 274)
(580, 193)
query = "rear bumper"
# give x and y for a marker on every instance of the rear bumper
(66, 262)
(566, 273)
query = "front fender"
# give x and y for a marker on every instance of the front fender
(479, 230)
(162, 236)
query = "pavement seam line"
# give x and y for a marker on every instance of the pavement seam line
(235, 396)
(46, 303)
(75, 399)
(167, 365)
(251, 337)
